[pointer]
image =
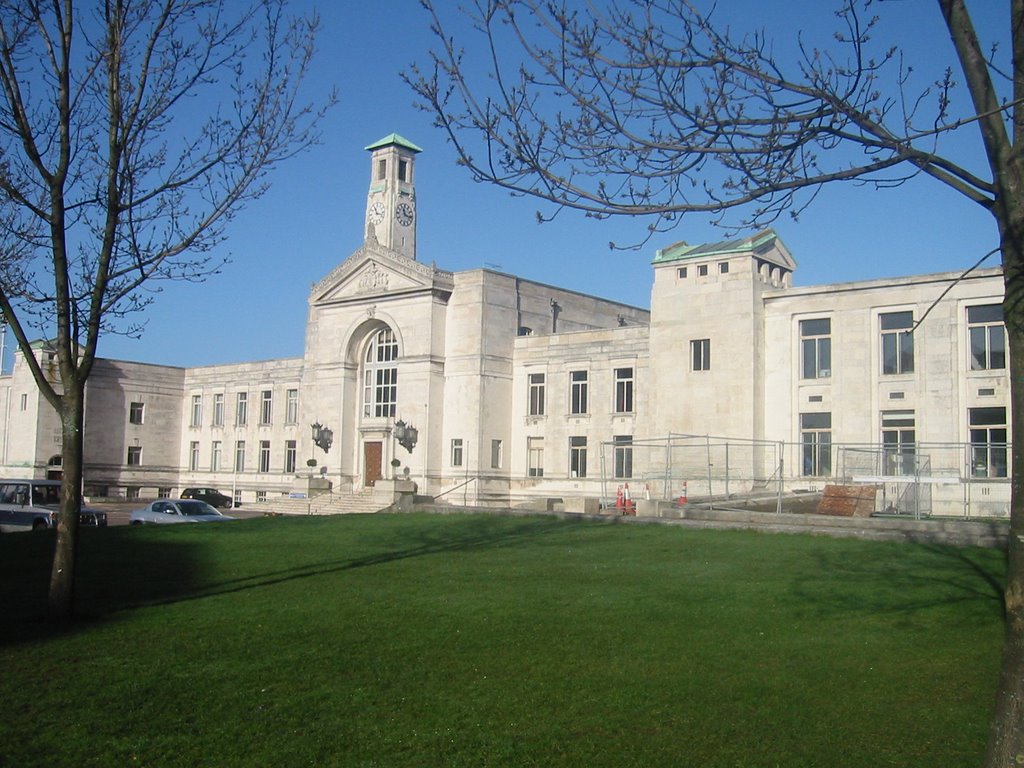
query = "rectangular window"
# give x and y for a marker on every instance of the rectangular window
(816, 444)
(681, 273)
(241, 409)
(218, 409)
(291, 408)
(24, 402)
(266, 406)
(403, 170)
(899, 443)
(382, 169)
(702, 270)
(623, 390)
(457, 452)
(216, 456)
(496, 454)
(700, 355)
(163, 493)
(988, 441)
(264, 458)
(578, 394)
(535, 456)
(987, 336)
(193, 455)
(816, 348)
(577, 457)
(134, 455)
(261, 497)
(197, 411)
(239, 455)
(897, 342)
(136, 412)
(536, 394)
(723, 267)
(622, 456)
(291, 452)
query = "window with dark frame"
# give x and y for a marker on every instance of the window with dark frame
(899, 443)
(897, 342)
(578, 394)
(816, 444)
(136, 413)
(578, 456)
(816, 348)
(266, 407)
(622, 457)
(700, 355)
(623, 390)
(987, 337)
(988, 433)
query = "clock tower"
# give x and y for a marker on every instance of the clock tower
(391, 201)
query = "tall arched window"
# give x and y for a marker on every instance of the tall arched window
(380, 375)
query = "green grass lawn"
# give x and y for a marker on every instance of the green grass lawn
(472, 640)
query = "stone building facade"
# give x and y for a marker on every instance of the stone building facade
(518, 389)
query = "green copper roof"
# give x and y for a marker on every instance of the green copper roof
(394, 138)
(681, 250)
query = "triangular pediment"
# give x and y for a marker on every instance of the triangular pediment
(375, 271)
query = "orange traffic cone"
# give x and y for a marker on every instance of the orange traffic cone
(619, 500)
(682, 496)
(627, 500)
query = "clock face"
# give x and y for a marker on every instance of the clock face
(404, 214)
(376, 212)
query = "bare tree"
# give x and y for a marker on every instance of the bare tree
(651, 107)
(130, 132)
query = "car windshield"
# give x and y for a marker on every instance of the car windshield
(196, 508)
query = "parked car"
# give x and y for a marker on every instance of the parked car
(31, 505)
(211, 496)
(164, 511)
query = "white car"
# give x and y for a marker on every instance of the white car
(177, 511)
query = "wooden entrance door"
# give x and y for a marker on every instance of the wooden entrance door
(373, 454)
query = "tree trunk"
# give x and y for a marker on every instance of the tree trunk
(62, 577)
(1006, 738)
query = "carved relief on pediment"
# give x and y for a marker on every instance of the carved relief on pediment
(373, 280)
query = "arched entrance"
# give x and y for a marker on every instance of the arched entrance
(378, 399)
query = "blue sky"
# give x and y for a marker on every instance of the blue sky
(312, 218)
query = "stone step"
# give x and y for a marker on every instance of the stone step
(362, 502)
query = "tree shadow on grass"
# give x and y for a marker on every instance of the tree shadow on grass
(114, 567)
(473, 533)
(906, 579)
(120, 570)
